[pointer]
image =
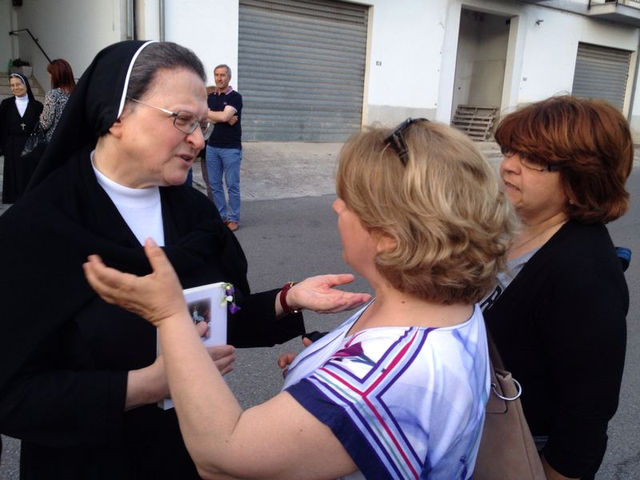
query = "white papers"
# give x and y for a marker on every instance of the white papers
(206, 303)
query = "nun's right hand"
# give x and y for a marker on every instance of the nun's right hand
(155, 297)
(286, 359)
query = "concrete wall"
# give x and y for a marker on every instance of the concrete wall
(6, 50)
(411, 56)
(148, 19)
(412, 62)
(70, 29)
(543, 53)
(542, 49)
(404, 59)
(548, 64)
(209, 28)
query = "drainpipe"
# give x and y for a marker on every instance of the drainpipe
(130, 21)
(161, 18)
(635, 81)
(134, 19)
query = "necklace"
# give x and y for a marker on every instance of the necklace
(546, 232)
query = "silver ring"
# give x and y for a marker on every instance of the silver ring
(508, 399)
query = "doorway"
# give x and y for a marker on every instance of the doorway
(480, 68)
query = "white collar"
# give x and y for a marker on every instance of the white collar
(133, 197)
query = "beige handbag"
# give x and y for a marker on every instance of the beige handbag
(507, 450)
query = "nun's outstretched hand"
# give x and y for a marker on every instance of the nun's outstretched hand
(155, 297)
(318, 294)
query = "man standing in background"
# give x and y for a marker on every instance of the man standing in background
(224, 148)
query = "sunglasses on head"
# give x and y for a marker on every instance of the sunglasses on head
(397, 141)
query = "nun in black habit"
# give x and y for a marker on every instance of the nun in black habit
(18, 117)
(79, 378)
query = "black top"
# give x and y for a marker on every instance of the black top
(561, 330)
(225, 135)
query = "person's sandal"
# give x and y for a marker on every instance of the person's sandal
(233, 226)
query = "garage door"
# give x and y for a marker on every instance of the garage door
(301, 69)
(602, 72)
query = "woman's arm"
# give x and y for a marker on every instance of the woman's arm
(219, 435)
(222, 438)
(149, 385)
(48, 114)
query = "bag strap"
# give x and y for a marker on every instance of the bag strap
(496, 364)
(494, 354)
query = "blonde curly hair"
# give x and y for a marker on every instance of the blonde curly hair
(450, 223)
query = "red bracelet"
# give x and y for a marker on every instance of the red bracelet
(283, 299)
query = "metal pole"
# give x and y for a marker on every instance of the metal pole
(635, 83)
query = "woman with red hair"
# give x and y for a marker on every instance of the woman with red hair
(62, 84)
(557, 315)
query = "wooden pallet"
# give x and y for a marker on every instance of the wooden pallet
(477, 122)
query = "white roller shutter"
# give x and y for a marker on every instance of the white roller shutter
(301, 69)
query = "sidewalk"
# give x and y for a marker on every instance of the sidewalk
(274, 170)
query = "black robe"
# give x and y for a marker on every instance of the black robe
(14, 131)
(64, 353)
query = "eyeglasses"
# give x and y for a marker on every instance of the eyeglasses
(397, 140)
(531, 163)
(186, 122)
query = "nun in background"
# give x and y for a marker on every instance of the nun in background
(18, 117)
(79, 378)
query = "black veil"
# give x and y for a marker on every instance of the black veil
(96, 102)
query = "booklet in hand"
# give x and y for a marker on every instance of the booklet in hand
(207, 303)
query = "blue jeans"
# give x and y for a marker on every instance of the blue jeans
(189, 180)
(225, 161)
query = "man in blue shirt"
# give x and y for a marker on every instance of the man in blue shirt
(224, 148)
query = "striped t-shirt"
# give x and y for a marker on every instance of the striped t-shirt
(405, 402)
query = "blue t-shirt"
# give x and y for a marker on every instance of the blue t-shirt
(225, 135)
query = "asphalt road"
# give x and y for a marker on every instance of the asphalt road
(290, 239)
